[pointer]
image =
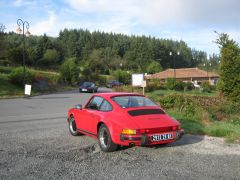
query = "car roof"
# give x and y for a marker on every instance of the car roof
(112, 94)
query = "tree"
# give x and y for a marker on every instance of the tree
(229, 83)
(69, 71)
(50, 58)
(2, 42)
(122, 76)
(14, 55)
(154, 67)
(32, 56)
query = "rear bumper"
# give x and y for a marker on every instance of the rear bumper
(85, 90)
(146, 139)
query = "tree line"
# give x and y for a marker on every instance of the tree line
(99, 51)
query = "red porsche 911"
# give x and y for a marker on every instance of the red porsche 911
(124, 119)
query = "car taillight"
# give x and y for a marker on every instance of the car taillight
(174, 128)
(129, 131)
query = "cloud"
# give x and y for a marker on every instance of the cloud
(192, 21)
(162, 12)
(48, 26)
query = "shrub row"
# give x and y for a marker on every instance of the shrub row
(17, 76)
(216, 108)
(171, 84)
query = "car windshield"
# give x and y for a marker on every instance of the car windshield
(87, 84)
(133, 101)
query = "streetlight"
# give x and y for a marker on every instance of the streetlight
(24, 25)
(207, 66)
(174, 65)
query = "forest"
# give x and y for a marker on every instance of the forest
(100, 51)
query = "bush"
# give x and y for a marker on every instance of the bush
(52, 78)
(182, 103)
(154, 84)
(122, 76)
(188, 86)
(206, 87)
(5, 70)
(225, 111)
(69, 71)
(17, 76)
(173, 84)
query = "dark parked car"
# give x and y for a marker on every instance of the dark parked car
(114, 83)
(88, 87)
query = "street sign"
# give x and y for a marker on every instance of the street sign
(27, 89)
(137, 79)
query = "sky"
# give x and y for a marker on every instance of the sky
(193, 21)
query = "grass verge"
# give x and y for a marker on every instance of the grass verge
(7, 88)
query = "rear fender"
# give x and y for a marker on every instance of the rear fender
(113, 130)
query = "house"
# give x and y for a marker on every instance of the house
(195, 75)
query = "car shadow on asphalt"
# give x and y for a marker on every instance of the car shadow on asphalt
(185, 140)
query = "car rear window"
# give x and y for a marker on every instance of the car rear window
(140, 112)
(133, 101)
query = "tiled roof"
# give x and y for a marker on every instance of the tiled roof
(183, 73)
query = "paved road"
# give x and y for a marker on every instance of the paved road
(35, 144)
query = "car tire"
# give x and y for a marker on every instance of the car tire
(105, 141)
(72, 127)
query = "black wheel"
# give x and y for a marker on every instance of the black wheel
(72, 127)
(105, 140)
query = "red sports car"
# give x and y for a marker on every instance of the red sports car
(123, 119)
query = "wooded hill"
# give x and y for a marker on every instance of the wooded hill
(105, 51)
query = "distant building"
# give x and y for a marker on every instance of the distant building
(195, 75)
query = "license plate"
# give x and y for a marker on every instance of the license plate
(84, 89)
(160, 137)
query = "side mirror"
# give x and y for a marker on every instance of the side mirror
(78, 106)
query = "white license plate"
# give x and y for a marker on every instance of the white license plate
(84, 89)
(160, 137)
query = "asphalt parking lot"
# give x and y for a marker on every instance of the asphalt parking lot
(36, 144)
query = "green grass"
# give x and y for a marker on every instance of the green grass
(224, 129)
(190, 124)
(194, 125)
(192, 92)
(7, 88)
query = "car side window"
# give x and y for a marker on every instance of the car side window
(105, 106)
(95, 103)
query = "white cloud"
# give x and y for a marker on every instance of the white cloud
(179, 12)
(48, 26)
(192, 21)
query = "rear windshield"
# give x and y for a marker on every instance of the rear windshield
(88, 84)
(133, 101)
